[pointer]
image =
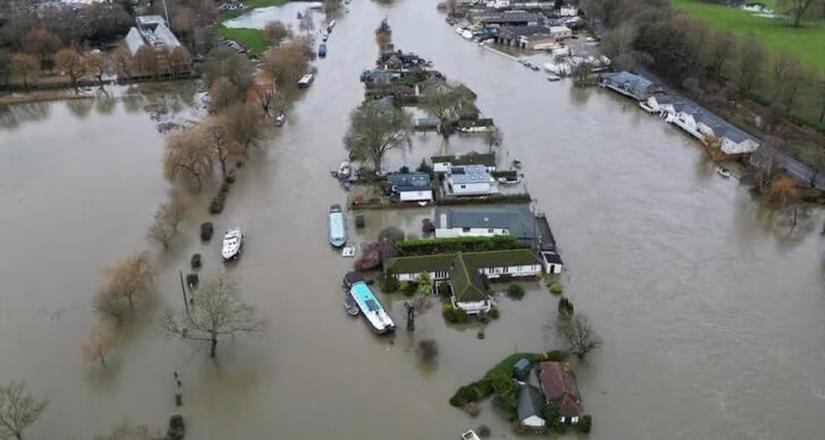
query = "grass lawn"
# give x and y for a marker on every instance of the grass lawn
(252, 4)
(807, 42)
(253, 39)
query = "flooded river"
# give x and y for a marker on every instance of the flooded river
(712, 317)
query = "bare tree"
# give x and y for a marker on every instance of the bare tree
(493, 138)
(223, 94)
(796, 10)
(187, 157)
(449, 103)
(25, 67)
(264, 93)
(71, 64)
(43, 44)
(751, 61)
(97, 344)
(578, 333)
(132, 277)
(288, 63)
(375, 129)
(243, 124)
(122, 62)
(164, 226)
(110, 308)
(97, 65)
(307, 21)
(224, 148)
(217, 312)
(145, 62)
(720, 50)
(276, 32)
(19, 409)
(179, 61)
(783, 67)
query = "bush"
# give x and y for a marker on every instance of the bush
(230, 178)
(206, 231)
(224, 188)
(565, 306)
(585, 423)
(515, 292)
(195, 261)
(427, 350)
(454, 315)
(389, 283)
(216, 207)
(471, 393)
(177, 429)
(410, 288)
(483, 431)
(556, 288)
(555, 356)
(192, 280)
(494, 313)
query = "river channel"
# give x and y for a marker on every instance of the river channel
(711, 314)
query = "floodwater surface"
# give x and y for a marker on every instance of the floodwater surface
(711, 314)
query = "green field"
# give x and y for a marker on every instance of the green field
(253, 39)
(808, 42)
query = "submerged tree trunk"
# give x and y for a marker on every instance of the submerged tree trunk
(214, 347)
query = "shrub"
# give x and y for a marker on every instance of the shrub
(483, 431)
(224, 188)
(207, 229)
(454, 315)
(565, 306)
(585, 423)
(389, 284)
(554, 355)
(494, 313)
(195, 261)
(427, 350)
(471, 393)
(556, 288)
(192, 280)
(515, 292)
(550, 413)
(410, 288)
(230, 179)
(473, 409)
(177, 429)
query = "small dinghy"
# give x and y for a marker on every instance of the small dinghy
(232, 243)
(351, 305)
(553, 78)
(345, 169)
(724, 172)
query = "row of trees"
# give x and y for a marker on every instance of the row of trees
(715, 65)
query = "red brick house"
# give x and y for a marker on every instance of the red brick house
(560, 389)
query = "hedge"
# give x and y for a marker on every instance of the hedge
(496, 380)
(433, 246)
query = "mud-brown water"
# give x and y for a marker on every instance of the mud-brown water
(712, 316)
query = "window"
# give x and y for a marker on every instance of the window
(465, 229)
(490, 230)
(463, 187)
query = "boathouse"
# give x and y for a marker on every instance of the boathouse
(712, 130)
(628, 84)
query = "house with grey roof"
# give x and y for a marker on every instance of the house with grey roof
(628, 84)
(711, 129)
(515, 220)
(410, 187)
(152, 31)
(509, 18)
(530, 405)
(470, 180)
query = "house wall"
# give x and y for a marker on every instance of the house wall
(470, 189)
(435, 276)
(533, 422)
(516, 271)
(541, 43)
(415, 196)
(470, 232)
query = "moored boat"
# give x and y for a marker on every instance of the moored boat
(377, 317)
(322, 50)
(280, 119)
(337, 227)
(724, 172)
(351, 305)
(470, 435)
(306, 80)
(232, 244)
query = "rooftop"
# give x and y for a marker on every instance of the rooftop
(628, 81)
(467, 283)
(409, 181)
(560, 387)
(530, 402)
(469, 174)
(442, 262)
(473, 158)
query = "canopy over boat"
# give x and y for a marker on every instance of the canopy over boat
(337, 227)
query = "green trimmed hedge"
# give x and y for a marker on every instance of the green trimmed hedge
(433, 246)
(498, 380)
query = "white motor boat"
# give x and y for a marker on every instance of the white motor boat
(345, 169)
(232, 243)
(724, 172)
(470, 435)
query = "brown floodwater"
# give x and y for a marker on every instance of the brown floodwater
(711, 312)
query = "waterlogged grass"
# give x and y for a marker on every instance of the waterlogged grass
(253, 39)
(806, 42)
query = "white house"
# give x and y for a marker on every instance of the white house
(711, 129)
(560, 32)
(470, 180)
(152, 31)
(411, 187)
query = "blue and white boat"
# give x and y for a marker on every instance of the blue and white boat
(378, 318)
(337, 227)
(322, 50)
